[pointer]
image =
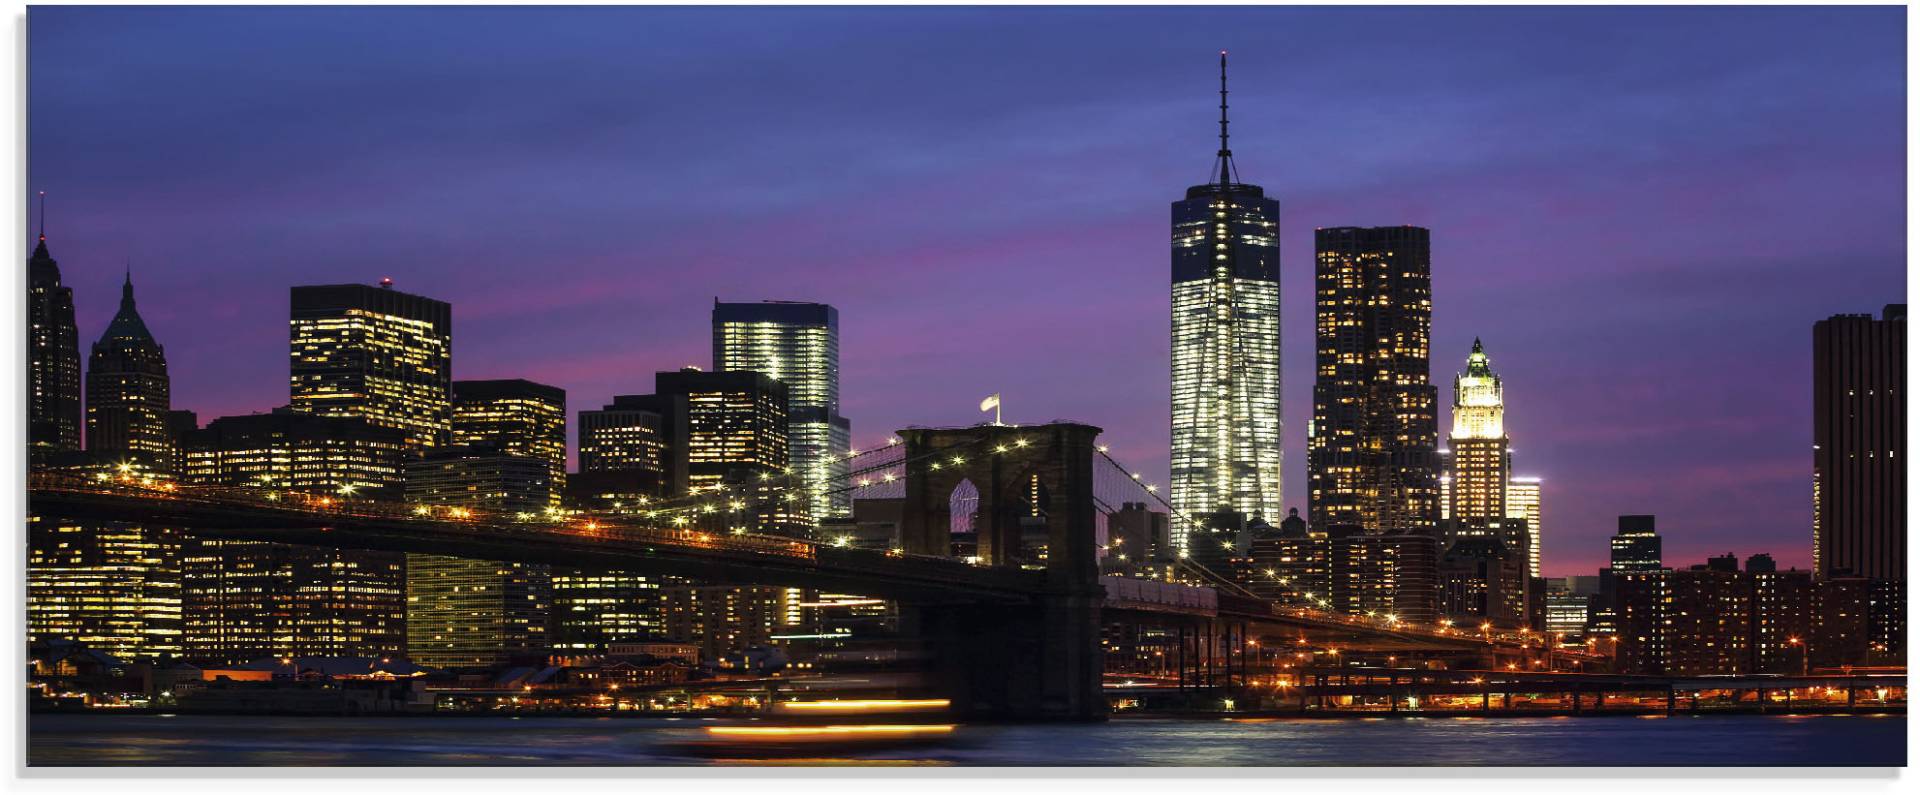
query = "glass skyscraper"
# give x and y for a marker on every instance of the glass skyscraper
(1226, 346)
(797, 344)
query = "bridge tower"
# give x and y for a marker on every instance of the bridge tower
(1040, 660)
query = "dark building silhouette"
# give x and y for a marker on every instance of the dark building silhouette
(1859, 438)
(1371, 457)
(1636, 547)
(1714, 619)
(53, 358)
(128, 397)
(1226, 345)
(1385, 574)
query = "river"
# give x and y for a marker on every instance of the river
(204, 740)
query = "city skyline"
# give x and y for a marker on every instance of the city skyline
(1590, 397)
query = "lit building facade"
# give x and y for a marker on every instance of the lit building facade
(1371, 450)
(1226, 422)
(53, 359)
(723, 427)
(1859, 439)
(114, 588)
(375, 353)
(1481, 462)
(302, 452)
(1523, 504)
(516, 416)
(247, 600)
(128, 397)
(798, 345)
(592, 609)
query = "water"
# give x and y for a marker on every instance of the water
(1688, 740)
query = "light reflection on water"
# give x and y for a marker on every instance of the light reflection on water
(1680, 740)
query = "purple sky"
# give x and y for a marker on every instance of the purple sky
(1642, 211)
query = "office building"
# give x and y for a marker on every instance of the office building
(1709, 621)
(1780, 617)
(726, 619)
(1482, 465)
(246, 600)
(1226, 422)
(1566, 614)
(1523, 504)
(113, 587)
(1859, 440)
(516, 416)
(127, 396)
(1643, 621)
(468, 613)
(1481, 580)
(1371, 457)
(482, 478)
(377, 354)
(53, 358)
(1636, 547)
(1385, 574)
(798, 345)
(593, 609)
(286, 449)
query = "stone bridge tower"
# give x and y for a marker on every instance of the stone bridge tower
(1040, 660)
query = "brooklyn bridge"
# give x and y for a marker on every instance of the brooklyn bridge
(1013, 634)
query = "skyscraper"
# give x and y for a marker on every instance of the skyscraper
(516, 416)
(128, 391)
(1481, 462)
(1371, 447)
(1523, 503)
(1636, 547)
(375, 353)
(722, 427)
(797, 344)
(53, 357)
(1859, 440)
(1226, 345)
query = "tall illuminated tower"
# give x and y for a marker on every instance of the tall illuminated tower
(1523, 503)
(53, 357)
(128, 391)
(375, 353)
(797, 344)
(1226, 345)
(1481, 462)
(1371, 458)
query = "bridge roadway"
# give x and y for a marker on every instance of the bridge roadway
(598, 543)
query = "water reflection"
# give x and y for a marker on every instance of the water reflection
(481, 741)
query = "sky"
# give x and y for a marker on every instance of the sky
(1641, 211)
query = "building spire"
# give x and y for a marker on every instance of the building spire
(43, 216)
(1224, 159)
